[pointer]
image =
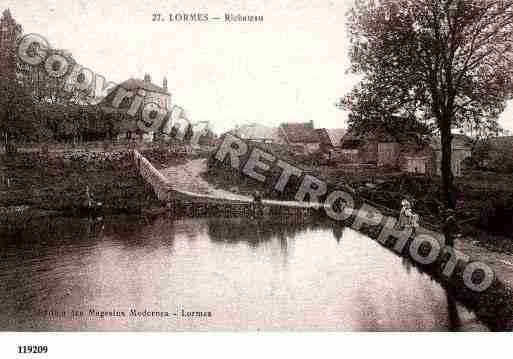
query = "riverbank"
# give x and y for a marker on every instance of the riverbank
(33, 185)
(493, 306)
(485, 200)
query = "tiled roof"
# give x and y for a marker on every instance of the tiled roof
(300, 132)
(331, 136)
(336, 135)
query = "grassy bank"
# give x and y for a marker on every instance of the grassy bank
(58, 183)
(485, 200)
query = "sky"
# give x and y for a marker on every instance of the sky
(292, 67)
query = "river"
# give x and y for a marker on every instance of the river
(213, 274)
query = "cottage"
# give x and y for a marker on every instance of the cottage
(300, 137)
(330, 138)
(461, 148)
(416, 159)
(377, 148)
(383, 150)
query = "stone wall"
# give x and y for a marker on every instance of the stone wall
(154, 178)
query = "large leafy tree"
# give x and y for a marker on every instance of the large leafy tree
(18, 118)
(445, 62)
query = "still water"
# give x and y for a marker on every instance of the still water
(212, 274)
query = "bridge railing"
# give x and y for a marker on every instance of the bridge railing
(160, 184)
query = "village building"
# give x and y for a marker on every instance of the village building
(461, 149)
(384, 151)
(127, 125)
(302, 138)
(330, 143)
(378, 148)
(299, 138)
(330, 138)
(258, 133)
(416, 159)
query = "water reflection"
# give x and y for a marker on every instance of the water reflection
(250, 274)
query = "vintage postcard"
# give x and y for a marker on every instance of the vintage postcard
(172, 166)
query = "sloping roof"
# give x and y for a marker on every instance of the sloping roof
(378, 135)
(136, 84)
(336, 135)
(300, 132)
(331, 136)
(256, 131)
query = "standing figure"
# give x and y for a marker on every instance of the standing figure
(450, 227)
(408, 218)
(403, 219)
(413, 219)
(88, 198)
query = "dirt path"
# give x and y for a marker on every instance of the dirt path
(187, 178)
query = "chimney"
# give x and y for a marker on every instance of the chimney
(147, 78)
(164, 83)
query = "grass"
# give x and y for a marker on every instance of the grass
(59, 182)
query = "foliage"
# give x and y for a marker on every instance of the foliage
(442, 62)
(47, 88)
(18, 120)
(73, 122)
(493, 156)
(402, 129)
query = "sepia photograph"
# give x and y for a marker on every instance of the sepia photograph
(255, 166)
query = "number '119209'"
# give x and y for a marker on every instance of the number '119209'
(32, 349)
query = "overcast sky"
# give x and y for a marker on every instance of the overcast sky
(290, 68)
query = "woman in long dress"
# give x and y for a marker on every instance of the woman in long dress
(403, 219)
(408, 218)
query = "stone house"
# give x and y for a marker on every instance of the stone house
(376, 148)
(153, 93)
(382, 150)
(330, 138)
(461, 147)
(416, 159)
(301, 138)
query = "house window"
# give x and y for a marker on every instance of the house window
(416, 165)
